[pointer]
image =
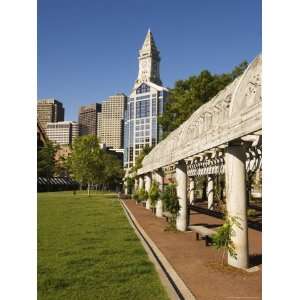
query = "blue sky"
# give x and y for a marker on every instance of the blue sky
(87, 49)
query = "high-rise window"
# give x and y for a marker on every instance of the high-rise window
(144, 88)
(131, 109)
(154, 109)
(143, 109)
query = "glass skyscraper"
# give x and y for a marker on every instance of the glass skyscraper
(145, 103)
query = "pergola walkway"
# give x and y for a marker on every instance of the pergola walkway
(223, 137)
(196, 264)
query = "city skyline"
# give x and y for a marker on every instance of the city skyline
(84, 60)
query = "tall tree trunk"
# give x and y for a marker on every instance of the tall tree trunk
(88, 187)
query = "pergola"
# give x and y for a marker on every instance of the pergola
(222, 136)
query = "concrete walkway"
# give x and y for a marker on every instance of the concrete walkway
(198, 265)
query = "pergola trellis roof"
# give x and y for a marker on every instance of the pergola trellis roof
(233, 113)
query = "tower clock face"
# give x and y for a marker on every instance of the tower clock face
(144, 64)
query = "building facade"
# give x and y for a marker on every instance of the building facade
(145, 103)
(111, 121)
(88, 119)
(49, 110)
(62, 133)
(75, 131)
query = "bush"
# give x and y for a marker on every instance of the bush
(129, 184)
(171, 203)
(154, 193)
(251, 212)
(222, 238)
(136, 196)
(142, 195)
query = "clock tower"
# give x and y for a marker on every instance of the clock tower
(145, 104)
(149, 60)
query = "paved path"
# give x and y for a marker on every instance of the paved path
(196, 264)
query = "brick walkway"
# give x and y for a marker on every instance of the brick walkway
(196, 264)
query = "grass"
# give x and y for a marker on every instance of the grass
(87, 250)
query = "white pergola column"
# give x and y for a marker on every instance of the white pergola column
(147, 188)
(125, 187)
(141, 182)
(192, 189)
(210, 191)
(237, 202)
(181, 178)
(136, 184)
(159, 204)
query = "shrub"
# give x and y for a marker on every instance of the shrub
(171, 203)
(129, 184)
(222, 238)
(136, 196)
(154, 193)
(142, 194)
(251, 212)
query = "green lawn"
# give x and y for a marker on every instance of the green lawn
(88, 250)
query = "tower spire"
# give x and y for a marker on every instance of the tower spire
(149, 44)
(149, 61)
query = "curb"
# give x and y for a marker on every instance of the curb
(175, 286)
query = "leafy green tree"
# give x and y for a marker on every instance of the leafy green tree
(46, 160)
(139, 159)
(188, 95)
(61, 167)
(86, 160)
(113, 171)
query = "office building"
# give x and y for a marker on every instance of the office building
(111, 121)
(75, 131)
(62, 133)
(49, 110)
(145, 103)
(88, 119)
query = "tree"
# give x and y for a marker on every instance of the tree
(113, 171)
(188, 95)
(139, 160)
(62, 167)
(46, 160)
(86, 160)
